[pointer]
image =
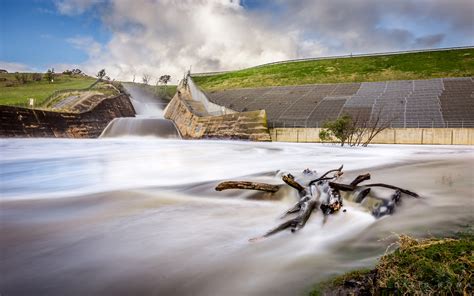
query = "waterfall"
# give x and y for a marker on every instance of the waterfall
(148, 122)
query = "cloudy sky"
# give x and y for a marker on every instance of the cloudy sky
(156, 37)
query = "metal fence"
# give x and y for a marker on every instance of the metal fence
(410, 124)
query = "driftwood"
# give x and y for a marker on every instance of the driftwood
(247, 185)
(322, 193)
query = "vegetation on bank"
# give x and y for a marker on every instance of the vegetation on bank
(425, 65)
(17, 88)
(418, 267)
(166, 92)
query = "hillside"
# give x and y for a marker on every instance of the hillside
(161, 91)
(15, 93)
(424, 65)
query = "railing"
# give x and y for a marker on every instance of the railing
(409, 124)
(337, 57)
(198, 95)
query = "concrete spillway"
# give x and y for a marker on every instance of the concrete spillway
(149, 121)
(141, 127)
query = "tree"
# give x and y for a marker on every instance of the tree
(164, 79)
(341, 128)
(49, 75)
(22, 78)
(101, 74)
(37, 77)
(146, 78)
(76, 71)
(356, 130)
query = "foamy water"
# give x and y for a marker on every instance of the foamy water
(140, 216)
(134, 216)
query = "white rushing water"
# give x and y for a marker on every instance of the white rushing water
(130, 216)
(149, 120)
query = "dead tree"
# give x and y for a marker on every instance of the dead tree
(247, 185)
(321, 193)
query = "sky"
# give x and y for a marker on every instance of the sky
(134, 37)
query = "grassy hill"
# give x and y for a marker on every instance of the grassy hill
(425, 65)
(13, 92)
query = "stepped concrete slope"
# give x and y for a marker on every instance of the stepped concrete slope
(433, 103)
(194, 121)
(23, 122)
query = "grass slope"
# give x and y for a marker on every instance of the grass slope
(17, 94)
(426, 65)
(418, 267)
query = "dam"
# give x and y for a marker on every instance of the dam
(148, 121)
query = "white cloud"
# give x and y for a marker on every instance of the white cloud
(15, 67)
(87, 44)
(75, 7)
(170, 36)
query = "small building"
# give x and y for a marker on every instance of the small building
(3, 71)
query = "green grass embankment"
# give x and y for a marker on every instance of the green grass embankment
(418, 267)
(424, 65)
(15, 93)
(164, 92)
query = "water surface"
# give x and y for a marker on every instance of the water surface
(130, 216)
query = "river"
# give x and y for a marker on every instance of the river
(139, 216)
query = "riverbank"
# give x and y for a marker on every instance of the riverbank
(435, 266)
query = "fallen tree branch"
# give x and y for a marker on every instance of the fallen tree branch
(290, 180)
(360, 178)
(247, 185)
(323, 177)
(346, 187)
(324, 194)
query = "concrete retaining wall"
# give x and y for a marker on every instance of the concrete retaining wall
(23, 122)
(446, 136)
(193, 122)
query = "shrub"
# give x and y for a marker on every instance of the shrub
(22, 78)
(37, 77)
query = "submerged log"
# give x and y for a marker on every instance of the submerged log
(324, 194)
(247, 185)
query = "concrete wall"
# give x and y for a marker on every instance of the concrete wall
(446, 136)
(192, 122)
(23, 122)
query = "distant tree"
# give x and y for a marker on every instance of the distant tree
(76, 71)
(107, 78)
(101, 74)
(164, 79)
(146, 78)
(22, 78)
(37, 77)
(49, 75)
(67, 72)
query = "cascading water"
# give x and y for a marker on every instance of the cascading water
(141, 127)
(149, 119)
